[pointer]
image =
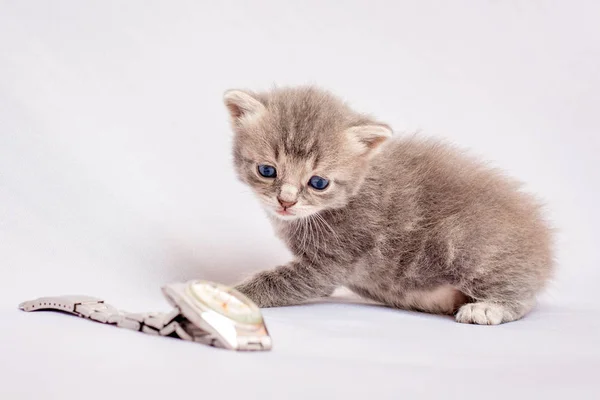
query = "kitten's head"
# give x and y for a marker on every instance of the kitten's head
(301, 150)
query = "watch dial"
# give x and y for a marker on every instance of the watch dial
(226, 301)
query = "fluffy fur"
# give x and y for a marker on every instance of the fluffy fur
(408, 222)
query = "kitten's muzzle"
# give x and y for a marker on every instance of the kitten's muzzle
(286, 204)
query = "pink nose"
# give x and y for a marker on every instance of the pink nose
(285, 204)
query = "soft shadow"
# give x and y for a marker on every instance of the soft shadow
(344, 296)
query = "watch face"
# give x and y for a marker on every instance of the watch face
(226, 301)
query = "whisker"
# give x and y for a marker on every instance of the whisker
(312, 231)
(318, 231)
(304, 233)
(328, 226)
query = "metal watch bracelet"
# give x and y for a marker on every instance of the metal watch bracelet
(172, 324)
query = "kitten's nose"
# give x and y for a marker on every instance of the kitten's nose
(286, 204)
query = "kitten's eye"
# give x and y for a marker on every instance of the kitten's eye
(318, 183)
(267, 171)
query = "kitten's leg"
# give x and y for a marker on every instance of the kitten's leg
(493, 313)
(502, 290)
(289, 284)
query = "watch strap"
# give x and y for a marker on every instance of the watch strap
(172, 324)
(164, 324)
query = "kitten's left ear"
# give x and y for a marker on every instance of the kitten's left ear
(241, 104)
(366, 138)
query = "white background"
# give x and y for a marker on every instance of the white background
(116, 177)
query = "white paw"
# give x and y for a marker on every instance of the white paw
(480, 313)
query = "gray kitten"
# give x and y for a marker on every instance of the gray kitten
(410, 223)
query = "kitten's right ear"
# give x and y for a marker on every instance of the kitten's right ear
(365, 139)
(241, 105)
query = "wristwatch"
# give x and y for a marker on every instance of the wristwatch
(205, 312)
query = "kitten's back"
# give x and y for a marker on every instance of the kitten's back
(466, 202)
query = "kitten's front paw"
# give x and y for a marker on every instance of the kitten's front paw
(480, 313)
(255, 294)
(247, 291)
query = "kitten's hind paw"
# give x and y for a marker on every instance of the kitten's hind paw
(481, 313)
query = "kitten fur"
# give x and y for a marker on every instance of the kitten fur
(408, 222)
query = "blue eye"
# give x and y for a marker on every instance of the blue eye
(267, 171)
(318, 183)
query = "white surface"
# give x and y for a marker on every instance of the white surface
(115, 177)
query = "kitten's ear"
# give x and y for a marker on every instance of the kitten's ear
(366, 138)
(241, 104)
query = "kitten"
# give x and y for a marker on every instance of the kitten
(410, 223)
